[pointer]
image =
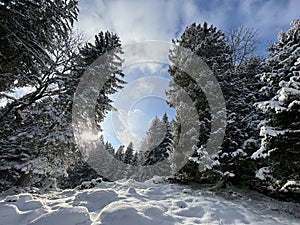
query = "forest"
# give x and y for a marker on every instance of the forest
(41, 52)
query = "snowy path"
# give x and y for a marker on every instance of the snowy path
(134, 203)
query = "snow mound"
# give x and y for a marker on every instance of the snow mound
(134, 213)
(153, 202)
(75, 215)
(95, 199)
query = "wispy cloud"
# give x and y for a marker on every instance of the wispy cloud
(132, 20)
(129, 123)
(136, 20)
(131, 126)
(139, 89)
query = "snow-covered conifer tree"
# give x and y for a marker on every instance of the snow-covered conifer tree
(280, 131)
(155, 145)
(37, 140)
(208, 43)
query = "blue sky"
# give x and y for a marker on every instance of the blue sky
(137, 20)
(138, 103)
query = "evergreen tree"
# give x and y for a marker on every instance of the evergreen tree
(109, 148)
(153, 136)
(184, 136)
(129, 153)
(241, 91)
(279, 152)
(109, 44)
(119, 155)
(134, 160)
(96, 164)
(167, 142)
(38, 139)
(165, 147)
(157, 143)
(208, 43)
(239, 86)
(99, 61)
(30, 29)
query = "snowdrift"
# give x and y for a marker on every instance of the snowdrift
(150, 203)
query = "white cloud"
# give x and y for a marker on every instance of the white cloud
(136, 71)
(132, 20)
(130, 126)
(150, 55)
(269, 16)
(129, 123)
(121, 128)
(138, 123)
(139, 89)
(136, 20)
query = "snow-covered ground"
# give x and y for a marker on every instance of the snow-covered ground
(150, 203)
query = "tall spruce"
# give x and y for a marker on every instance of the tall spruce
(158, 141)
(129, 153)
(37, 141)
(239, 87)
(209, 43)
(280, 146)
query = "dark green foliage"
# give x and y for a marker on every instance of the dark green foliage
(119, 155)
(157, 144)
(240, 88)
(77, 175)
(37, 138)
(109, 45)
(280, 146)
(241, 91)
(128, 155)
(29, 29)
(209, 43)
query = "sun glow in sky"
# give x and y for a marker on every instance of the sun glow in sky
(164, 20)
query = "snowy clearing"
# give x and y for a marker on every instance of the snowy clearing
(150, 203)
